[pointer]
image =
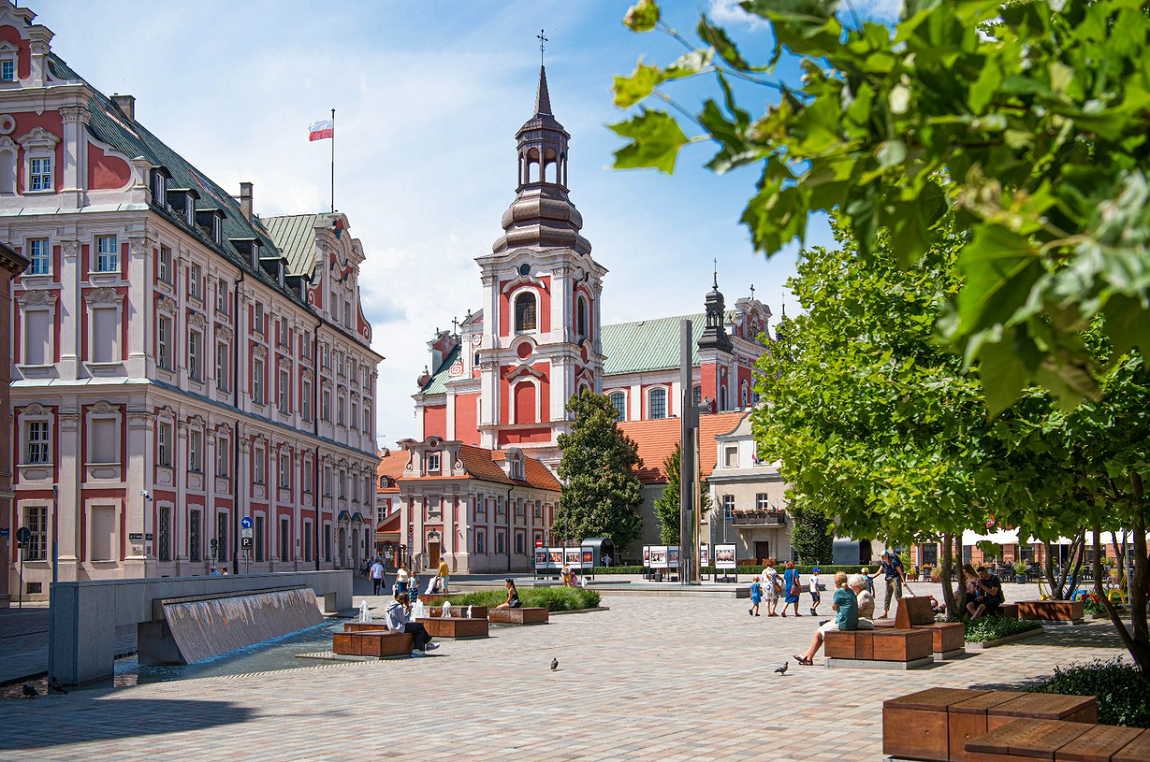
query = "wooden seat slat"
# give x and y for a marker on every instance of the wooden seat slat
(1098, 744)
(1137, 750)
(1026, 738)
(933, 698)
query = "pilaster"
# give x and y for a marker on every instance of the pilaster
(137, 311)
(68, 310)
(74, 172)
(68, 503)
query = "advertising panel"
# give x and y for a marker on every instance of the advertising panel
(573, 558)
(541, 559)
(673, 557)
(704, 556)
(724, 556)
(658, 556)
(646, 556)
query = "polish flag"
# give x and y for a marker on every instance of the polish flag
(321, 130)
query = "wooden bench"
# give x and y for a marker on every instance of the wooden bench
(363, 641)
(1024, 740)
(1052, 611)
(936, 724)
(430, 599)
(477, 612)
(454, 627)
(1008, 610)
(518, 616)
(855, 648)
(948, 639)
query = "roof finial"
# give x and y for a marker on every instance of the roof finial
(542, 44)
(715, 283)
(784, 302)
(542, 97)
(752, 292)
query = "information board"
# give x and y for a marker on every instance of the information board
(673, 557)
(541, 559)
(573, 558)
(646, 556)
(658, 557)
(704, 556)
(724, 556)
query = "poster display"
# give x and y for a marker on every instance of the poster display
(673, 557)
(724, 556)
(555, 558)
(573, 558)
(588, 558)
(658, 556)
(704, 556)
(646, 556)
(541, 559)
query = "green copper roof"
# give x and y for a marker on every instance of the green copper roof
(647, 344)
(439, 378)
(295, 236)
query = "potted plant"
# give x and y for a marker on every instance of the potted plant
(1020, 572)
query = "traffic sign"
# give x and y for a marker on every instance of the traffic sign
(539, 543)
(246, 543)
(245, 532)
(214, 543)
(23, 537)
(246, 522)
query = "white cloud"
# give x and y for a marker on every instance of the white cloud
(886, 11)
(729, 13)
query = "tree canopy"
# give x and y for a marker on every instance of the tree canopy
(668, 505)
(1025, 121)
(601, 493)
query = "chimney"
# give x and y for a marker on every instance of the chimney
(127, 104)
(246, 200)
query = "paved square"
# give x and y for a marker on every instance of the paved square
(654, 678)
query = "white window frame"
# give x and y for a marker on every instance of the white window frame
(8, 60)
(195, 282)
(258, 321)
(283, 392)
(164, 265)
(40, 171)
(223, 362)
(433, 463)
(195, 450)
(102, 257)
(650, 403)
(223, 455)
(40, 256)
(39, 144)
(257, 381)
(222, 296)
(38, 442)
(159, 189)
(622, 414)
(514, 302)
(326, 400)
(762, 501)
(305, 399)
(259, 463)
(164, 444)
(285, 470)
(50, 350)
(164, 329)
(195, 354)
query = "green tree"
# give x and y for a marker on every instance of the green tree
(810, 533)
(601, 493)
(1026, 120)
(667, 505)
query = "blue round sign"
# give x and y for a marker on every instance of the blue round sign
(246, 522)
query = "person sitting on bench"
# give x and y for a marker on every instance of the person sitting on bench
(396, 614)
(857, 583)
(846, 608)
(988, 596)
(512, 601)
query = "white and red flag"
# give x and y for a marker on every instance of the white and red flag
(322, 130)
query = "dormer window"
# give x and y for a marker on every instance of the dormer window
(433, 463)
(8, 70)
(190, 209)
(217, 229)
(160, 187)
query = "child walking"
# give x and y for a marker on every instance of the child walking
(756, 597)
(815, 597)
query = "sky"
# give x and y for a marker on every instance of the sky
(428, 98)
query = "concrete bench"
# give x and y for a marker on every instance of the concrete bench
(518, 616)
(431, 599)
(455, 627)
(1052, 611)
(477, 612)
(935, 724)
(948, 639)
(1024, 740)
(368, 640)
(884, 648)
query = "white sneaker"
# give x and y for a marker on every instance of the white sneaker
(415, 654)
(431, 647)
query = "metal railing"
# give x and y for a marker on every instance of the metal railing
(760, 519)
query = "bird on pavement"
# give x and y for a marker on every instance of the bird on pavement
(55, 687)
(554, 664)
(30, 691)
(783, 669)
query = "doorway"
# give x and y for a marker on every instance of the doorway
(433, 554)
(762, 550)
(341, 550)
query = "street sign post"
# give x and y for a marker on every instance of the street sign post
(246, 522)
(23, 537)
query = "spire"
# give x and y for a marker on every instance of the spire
(715, 330)
(542, 97)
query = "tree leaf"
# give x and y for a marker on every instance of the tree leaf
(642, 16)
(913, 221)
(718, 39)
(999, 267)
(631, 90)
(655, 142)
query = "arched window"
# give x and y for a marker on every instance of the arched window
(619, 400)
(525, 312)
(722, 398)
(657, 404)
(745, 394)
(581, 316)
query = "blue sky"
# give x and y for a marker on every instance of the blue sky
(428, 97)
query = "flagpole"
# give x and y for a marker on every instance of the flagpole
(333, 161)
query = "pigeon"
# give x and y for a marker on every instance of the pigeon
(554, 664)
(783, 669)
(55, 687)
(30, 691)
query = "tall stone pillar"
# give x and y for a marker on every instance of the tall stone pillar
(68, 503)
(69, 304)
(74, 170)
(141, 434)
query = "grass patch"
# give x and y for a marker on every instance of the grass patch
(550, 598)
(995, 627)
(1123, 694)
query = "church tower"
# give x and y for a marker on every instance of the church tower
(541, 291)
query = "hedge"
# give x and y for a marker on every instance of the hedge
(995, 627)
(744, 570)
(550, 598)
(1123, 694)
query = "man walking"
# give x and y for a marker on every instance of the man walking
(376, 574)
(891, 568)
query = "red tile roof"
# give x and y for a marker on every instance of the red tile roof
(657, 440)
(480, 463)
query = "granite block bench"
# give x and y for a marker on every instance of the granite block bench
(935, 724)
(884, 648)
(1024, 740)
(518, 616)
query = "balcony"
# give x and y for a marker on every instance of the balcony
(759, 518)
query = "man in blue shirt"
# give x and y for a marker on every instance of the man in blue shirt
(891, 568)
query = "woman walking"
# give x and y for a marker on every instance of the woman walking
(792, 586)
(771, 586)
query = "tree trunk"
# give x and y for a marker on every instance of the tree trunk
(1139, 647)
(944, 574)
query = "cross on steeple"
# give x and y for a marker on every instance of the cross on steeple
(752, 292)
(715, 282)
(542, 44)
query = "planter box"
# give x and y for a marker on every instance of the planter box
(518, 616)
(455, 627)
(977, 646)
(1051, 611)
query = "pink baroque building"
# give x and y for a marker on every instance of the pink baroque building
(178, 364)
(502, 377)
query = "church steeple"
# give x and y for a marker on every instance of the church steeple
(542, 213)
(715, 333)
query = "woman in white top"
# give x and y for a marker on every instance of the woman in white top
(768, 578)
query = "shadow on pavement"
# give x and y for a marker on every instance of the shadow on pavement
(59, 720)
(1080, 636)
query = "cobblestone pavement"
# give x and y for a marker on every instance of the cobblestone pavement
(654, 678)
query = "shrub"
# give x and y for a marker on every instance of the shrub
(1091, 606)
(1123, 694)
(550, 598)
(995, 627)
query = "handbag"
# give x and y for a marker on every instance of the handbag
(777, 585)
